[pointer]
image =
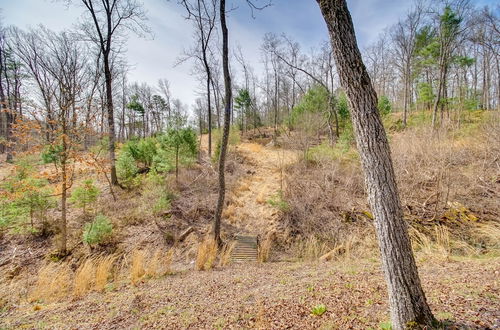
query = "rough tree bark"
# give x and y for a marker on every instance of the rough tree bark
(406, 297)
(227, 119)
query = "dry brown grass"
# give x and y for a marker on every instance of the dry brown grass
(84, 278)
(137, 267)
(104, 271)
(159, 263)
(265, 248)
(229, 212)
(207, 253)
(53, 283)
(225, 255)
(448, 181)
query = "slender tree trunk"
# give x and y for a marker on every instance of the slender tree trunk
(8, 136)
(406, 297)
(207, 68)
(439, 94)
(227, 118)
(63, 229)
(111, 119)
(176, 164)
(406, 93)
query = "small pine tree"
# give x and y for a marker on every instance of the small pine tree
(85, 195)
(181, 140)
(98, 230)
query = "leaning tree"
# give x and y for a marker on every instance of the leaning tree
(406, 297)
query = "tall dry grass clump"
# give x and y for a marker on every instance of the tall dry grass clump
(265, 248)
(104, 271)
(84, 278)
(440, 243)
(137, 267)
(207, 254)
(53, 283)
(159, 263)
(225, 255)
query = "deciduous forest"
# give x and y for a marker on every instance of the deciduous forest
(334, 187)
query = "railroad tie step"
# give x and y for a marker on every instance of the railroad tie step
(245, 249)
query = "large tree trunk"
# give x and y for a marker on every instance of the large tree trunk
(406, 297)
(111, 119)
(227, 119)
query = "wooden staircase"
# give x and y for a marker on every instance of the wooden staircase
(246, 249)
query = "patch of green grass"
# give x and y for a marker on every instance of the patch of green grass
(318, 310)
(386, 325)
(219, 323)
(344, 149)
(444, 316)
(277, 201)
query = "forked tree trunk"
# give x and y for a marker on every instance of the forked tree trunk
(227, 119)
(406, 297)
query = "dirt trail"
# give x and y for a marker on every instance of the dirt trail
(249, 207)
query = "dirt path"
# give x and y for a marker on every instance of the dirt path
(250, 207)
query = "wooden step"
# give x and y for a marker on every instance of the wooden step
(246, 249)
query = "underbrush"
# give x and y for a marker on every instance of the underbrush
(25, 199)
(449, 181)
(160, 154)
(233, 139)
(57, 281)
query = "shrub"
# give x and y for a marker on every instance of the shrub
(142, 150)
(24, 199)
(384, 105)
(278, 202)
(52, 154)
(163, 161)
(314, 101)
(343, 107)
(182, 142)
(126, 167)
(84, 195)
(98, 230)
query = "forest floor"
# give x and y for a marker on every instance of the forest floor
(274, 296)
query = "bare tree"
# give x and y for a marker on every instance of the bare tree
(203, 14)
(110, 19)
(10, 95)
(406, 297)
(227, 119)
(404, 37)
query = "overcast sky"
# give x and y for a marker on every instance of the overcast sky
(154, 58)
